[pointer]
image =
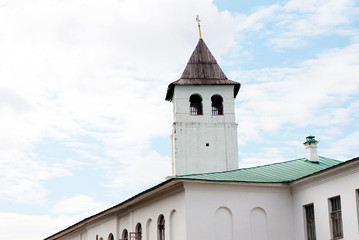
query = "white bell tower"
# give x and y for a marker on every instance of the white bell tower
(204, 136)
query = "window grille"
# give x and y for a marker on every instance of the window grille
(310, 222)
(133, 236)
(217, 109)
(195, 105)
(217, 105)
(336, 218)
(196, 109)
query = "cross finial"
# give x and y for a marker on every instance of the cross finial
(199, 27)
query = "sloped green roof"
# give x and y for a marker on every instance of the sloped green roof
(272, 173)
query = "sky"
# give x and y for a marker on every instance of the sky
(83, 120)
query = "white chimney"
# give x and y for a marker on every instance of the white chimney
(311, 147)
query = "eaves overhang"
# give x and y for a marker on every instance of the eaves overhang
(236, 183)
(347, 167)
(168, 186)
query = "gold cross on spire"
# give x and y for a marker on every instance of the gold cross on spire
(199, 27)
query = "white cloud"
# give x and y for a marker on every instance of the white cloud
(79, 205)
(22, 180)
(287, 42)
(269, 155)
(142, 172)
(321, 92)
(288, 25)
(257, 20)
(32, 227)
(85, 69)
(344, 148)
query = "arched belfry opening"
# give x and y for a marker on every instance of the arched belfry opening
(195, 107)
(217, 105)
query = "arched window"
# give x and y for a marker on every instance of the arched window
(195, 107)
(217, 105)
(161, 227)
(110, 237)
(138, 231)
(124, 234)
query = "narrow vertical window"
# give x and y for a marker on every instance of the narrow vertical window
(310, 222)
(138, 231)
(161, 227)
(336, 217)
(217, 105)
(195, 107)
(124, 235)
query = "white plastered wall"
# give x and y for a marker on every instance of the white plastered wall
(317, 191)
(171, 206)
(204, 143)
(238, 200)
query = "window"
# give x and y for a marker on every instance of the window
(336, 217)
(138, 231)
(217, 105)
(161, 227)
(310, 222)
(124, 235)
(110, 237)
(195, 107)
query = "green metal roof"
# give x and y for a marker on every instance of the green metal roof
(272, 173)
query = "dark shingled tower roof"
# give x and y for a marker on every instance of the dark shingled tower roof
(202, 69)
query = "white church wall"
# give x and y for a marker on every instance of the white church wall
(99, 230)
(318, 191)
(202, 148)
(170, 206)
(74, 237)
(223, 222)
(259, 224)
(102, 229)
(204, 143)
(209, 203)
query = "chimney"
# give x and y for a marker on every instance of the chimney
(311, 146)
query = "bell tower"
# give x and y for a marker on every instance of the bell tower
(204, 135)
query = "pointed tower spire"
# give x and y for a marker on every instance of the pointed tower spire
(202, 69)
